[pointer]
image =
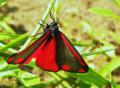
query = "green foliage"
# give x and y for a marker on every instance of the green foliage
(104, 12)
(117, 2)
(115, 63)
(2, 2)
(88, 78)
(14, 42)
(4, 26)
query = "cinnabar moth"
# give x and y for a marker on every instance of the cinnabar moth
(52, 51)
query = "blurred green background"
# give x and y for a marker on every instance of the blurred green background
(93, 27)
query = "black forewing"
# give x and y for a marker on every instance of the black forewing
(67, 58)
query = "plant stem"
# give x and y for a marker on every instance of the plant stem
(10, 49)
(50, 6)
(97, 52)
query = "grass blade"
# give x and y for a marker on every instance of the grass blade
(108, 68)
(14, 42)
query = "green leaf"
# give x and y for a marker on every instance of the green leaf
(117, 86)
(14, 42)
(92, 77)
(104, 12)
(41, 85)
(25, 78)
(117, 2)
(6, 27)
(10, 49)
(28, 79)
(114, 37)
(3, 64)
(64, 83)
(2, 2)
(9, 73)
(6, 36)
(108, 68)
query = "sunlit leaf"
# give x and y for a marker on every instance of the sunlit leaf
(6, 27)
(117, 2)
(14, 42)
(2, 2)
(108, 68)
(104, 12)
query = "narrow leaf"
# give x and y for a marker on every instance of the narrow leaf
(5, 26)
(92, 77)
(108, 68)
(104, 12)
(14, 42)
(2, 2)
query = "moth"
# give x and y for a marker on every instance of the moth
(52, 52)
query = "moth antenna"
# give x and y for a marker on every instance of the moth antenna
(51, 15)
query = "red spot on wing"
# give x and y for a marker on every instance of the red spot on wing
(46, 55)
(81, 70)
(9, 60)
(18, 61)
(65, 67)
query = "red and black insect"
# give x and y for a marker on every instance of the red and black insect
(52, 51)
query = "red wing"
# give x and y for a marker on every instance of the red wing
(68, 58)
(26, 55)
(46, 59)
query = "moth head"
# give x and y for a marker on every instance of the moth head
(53, 24)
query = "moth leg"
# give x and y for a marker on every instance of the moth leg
(41, 23)
(37, 34)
